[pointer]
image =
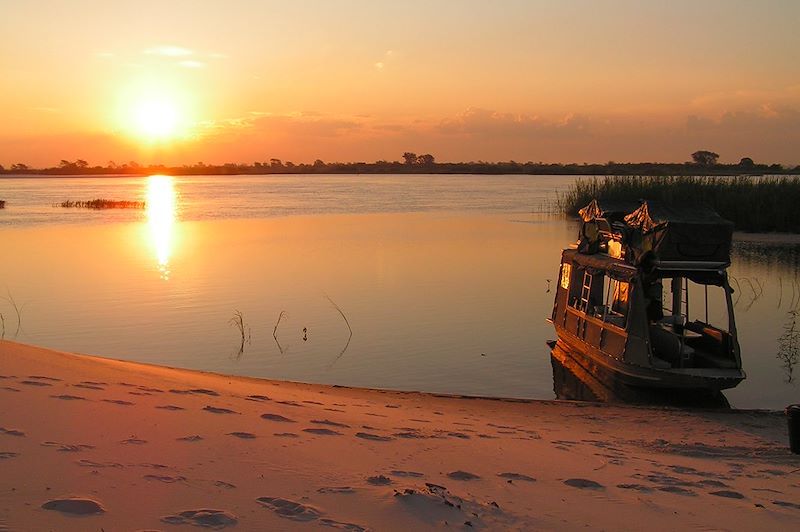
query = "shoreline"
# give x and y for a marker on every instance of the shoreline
(139, 446)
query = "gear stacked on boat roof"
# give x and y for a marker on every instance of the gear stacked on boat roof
(648, 232)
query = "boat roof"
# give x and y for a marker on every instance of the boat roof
(600, 262)
(701, 272)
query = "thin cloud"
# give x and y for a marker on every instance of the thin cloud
(192, 64)
(384, 61)
(169, 51)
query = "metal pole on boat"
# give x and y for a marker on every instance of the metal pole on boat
(676, 296)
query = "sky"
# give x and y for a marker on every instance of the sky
(180, 82)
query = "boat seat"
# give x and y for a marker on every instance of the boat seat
(667, 346)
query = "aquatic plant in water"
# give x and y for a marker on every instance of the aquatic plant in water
(102, 204)
(238, 321)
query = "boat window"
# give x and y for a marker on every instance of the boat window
(566, 271)
(616, 298)
(575, 286)
(698, 303)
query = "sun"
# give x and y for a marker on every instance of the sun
(156, 119)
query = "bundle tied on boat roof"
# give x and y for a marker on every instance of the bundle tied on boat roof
(679, 233)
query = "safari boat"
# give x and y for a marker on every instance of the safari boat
(644, 298)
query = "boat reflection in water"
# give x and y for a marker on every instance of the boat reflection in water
(573, 382)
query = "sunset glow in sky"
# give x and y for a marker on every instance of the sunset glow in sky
(571, 81)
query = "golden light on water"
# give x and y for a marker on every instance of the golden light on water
(161, 214)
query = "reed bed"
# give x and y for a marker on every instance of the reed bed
(757, 204)
(102, 204)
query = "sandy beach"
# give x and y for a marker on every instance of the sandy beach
(89, 443)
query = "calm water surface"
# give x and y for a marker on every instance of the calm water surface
(443, 280)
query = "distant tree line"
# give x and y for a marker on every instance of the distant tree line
(703, 162)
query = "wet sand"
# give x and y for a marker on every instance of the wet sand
(89, 443)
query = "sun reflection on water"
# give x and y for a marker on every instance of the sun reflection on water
(161, 207)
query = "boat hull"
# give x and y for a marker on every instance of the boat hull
(607, 368)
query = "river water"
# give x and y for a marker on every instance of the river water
(413, 282)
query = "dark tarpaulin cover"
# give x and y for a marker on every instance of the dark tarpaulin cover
(685, 233)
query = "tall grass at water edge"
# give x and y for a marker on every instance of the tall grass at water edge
(756, 204)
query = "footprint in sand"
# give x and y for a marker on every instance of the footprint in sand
(35, 383)
(373, 437)
(786, 504)
(728, 494)
(277, 417)
(290, 509)
(243, 435)
(90, 463)
(9, 388)
(11, 432)
(217, 410)
(259, 398)
(204, 518)
(67, 397)
(68, 448)
(636, 487)
(379, 480)
(323, 432)
(286, 435)
(314, 403)
(677, 490)
(164, 478)
(583, 483)
(133, 440)
(337, 489)
(193, 437)
(118, 402)
(5, 455)
(43, 378)
(516, 476)
(463, 475)
(88, 386)
(406, 474)
(223, 484)
(149, 389)
(289, 403)
(75, 506)
(329, 423)
(170, 407)
(153, 466)
(460, 435)
(195, 391)
(409, 434)
(303, 513)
